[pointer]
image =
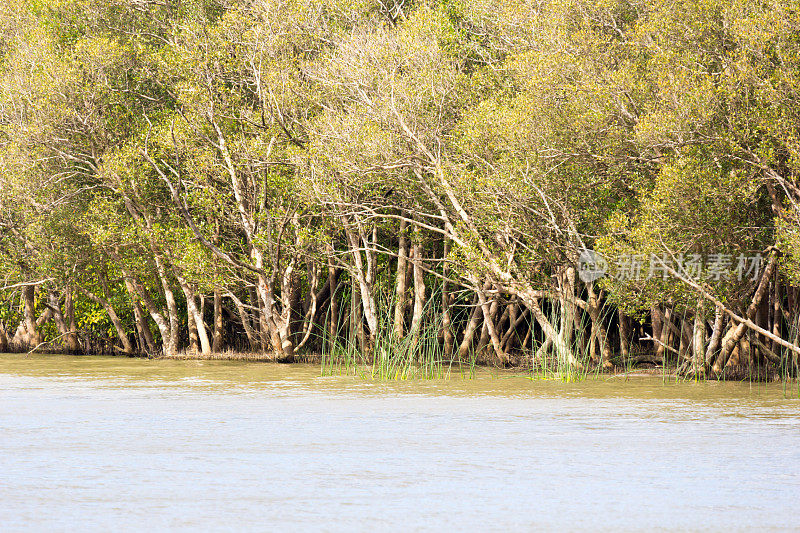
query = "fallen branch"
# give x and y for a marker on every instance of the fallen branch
(650, 338)
(46, 342)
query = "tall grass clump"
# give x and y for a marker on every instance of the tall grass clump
(550, 363)
(417, 355)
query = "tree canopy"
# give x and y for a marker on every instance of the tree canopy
(299, 177)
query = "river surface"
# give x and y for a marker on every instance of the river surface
(102, 443)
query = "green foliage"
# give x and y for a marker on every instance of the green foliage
(284, 132)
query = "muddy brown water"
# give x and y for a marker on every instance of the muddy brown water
(102, 443)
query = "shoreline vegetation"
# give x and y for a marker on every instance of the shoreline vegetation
(403, 369)
(568, 187)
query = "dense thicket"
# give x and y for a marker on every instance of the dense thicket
(295, 176)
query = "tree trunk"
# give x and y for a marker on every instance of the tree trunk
(447, 326)
(698, 338)
(194, 315)
(686, 349)
(563, 351)
(312, 304)
(155, 314)
(362, 274)
(271, 330)
(140, 342)
(58, 317)
(657, 318)
(356, 318)
(542, 350)
(593, 343)
(333, 308)
(567, 318)
(508, 340)
(528, 335)
(216, 335)
(776, 311)
(3, 338)
(142, 327)
(191, 325)
(71, 341)
(295, 300)
(27, 335)
(401, 288)
(736, 333)
(419, 291)
(485, 337)
(274, 325)
(259, 319)
(244, 316)
(666, 323)
(489, 311)
(282, 320)
(173, 339)
(599, 332)
(745, 352)
(469, 331)
(716, 335)
(623, 326)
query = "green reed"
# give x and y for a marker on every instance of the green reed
(417, 355)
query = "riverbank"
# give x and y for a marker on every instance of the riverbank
(642, 366)
(641, 369)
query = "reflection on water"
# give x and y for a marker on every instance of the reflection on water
(137, 444)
